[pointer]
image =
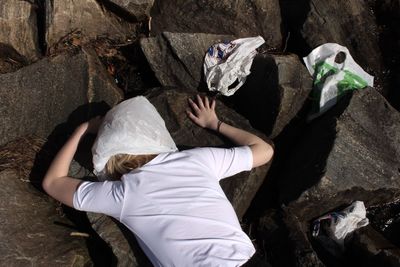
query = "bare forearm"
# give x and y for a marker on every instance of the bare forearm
(262, 151)
(61, 163)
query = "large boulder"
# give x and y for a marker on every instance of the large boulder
(37, 98)
(242, 18)
(349, 23)
(177, 58)
(350, 153)
(32, 232)
(18, 28)
(140, 9)
(85, 16)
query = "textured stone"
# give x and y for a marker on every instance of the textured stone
(37, 98)
(18, 28)
(242, 18)
(350, 153)
(171, 104)
(28, 229)
(177, 58)
(140, 9)
(86, 16)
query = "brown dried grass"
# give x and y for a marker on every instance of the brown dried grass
(19, 155)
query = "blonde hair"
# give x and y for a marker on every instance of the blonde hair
(120, 164)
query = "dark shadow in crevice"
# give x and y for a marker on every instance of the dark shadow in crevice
(10, 59)
(41, 25)
(387, 15)
(258, 99)
(294, 14)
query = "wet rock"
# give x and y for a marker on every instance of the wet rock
(171, 104)
(242, 18)
(273, 93)
(349, 23)
(33, 234)
(37, 98)
(18, 29)
(177, 58)
(350, 153)
(140, 9)
(87, 17)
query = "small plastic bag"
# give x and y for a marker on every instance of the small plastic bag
(228, 64)
(132, 127)
(344, 222)
(334, 71)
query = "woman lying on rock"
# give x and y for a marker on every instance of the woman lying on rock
(171, 201)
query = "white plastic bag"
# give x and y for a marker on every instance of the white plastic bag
(344, 222)
(132, 127)
(230, 62)
(332, 79)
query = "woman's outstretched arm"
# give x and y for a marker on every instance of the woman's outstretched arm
(203, 114)
(56, 181)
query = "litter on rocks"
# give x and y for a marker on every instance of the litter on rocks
(334, 71)
(343, 222)
(226, 65)
(132, 127)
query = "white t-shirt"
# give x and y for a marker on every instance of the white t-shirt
(176, 208)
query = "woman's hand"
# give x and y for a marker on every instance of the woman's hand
(203, 113)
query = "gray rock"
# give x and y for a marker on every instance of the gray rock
(177, 58)
(140, 9)
(171, 104)
(274, 92)
(28, 230)
(18, 28)
(350, 153)
(86, 16)
(349, 23)
(242, 18)
(37, 98)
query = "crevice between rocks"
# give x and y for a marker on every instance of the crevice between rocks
(41, 25)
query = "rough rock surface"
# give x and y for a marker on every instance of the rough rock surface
(242, 18)
(37, 98)
(274, 92)
(350, 153)
(349, 23)
(171, 104)
(29, 231)
(18, 28)
(140, 9)
(86, 16)
(177, 58)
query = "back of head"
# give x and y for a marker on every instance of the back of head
(120, 164)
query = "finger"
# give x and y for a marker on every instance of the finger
(206, 102)
(213, 103)
(193, 105)
(200, 102)
(191, 116)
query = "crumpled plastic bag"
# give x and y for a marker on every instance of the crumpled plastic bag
(334, 71)
(132, 127)
(228, 64)
(344, 222)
